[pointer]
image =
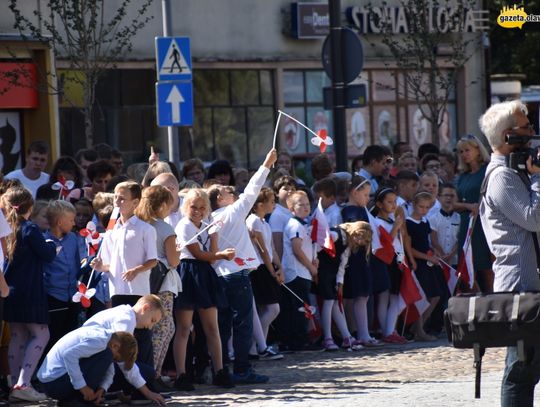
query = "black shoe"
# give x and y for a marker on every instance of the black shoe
(159, 386)
(223, 379)
(253, 357)
(75, 402)
(183, 383)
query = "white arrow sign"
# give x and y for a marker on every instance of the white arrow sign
(175, 98)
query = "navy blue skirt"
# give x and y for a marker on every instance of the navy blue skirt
(381, 278)
(358, 279)
(200, 286)
(427, 278)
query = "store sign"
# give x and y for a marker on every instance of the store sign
(310, 20)
(438, 19)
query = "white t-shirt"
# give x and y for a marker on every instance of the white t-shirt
(31, 184)
(129, 245)
(254, 223)
(279, 218)
(447, 228)
(185, 230)
(291, 266)
(434, 209)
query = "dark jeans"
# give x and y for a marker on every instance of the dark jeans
(292, 324)
(520, 378)
(238, 316)
(143, 336)
(93, 369)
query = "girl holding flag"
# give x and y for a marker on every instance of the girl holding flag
(386, 260)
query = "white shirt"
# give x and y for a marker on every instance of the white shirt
(234, 232)
(185, 231)
(120, 318)
(434, 209)
(129, 245)
(291, 266)
(447, 228)
(407, 206)
(333, 215)
(256, 224)
(30, 184)
(398, 247)
(279, 218)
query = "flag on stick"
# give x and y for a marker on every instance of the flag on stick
(320, 231)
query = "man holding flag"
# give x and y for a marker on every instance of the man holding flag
(510, 214)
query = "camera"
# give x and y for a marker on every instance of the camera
(518, 158)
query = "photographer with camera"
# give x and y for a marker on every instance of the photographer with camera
(510, 211)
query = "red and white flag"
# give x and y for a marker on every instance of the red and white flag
(114, 217)
(320, 232)
(450, 276)
(465, 266)
(411, 295)
(386, 252)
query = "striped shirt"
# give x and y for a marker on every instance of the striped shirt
(509, 213)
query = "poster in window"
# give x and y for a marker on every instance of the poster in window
(357, 130)
(385, 125)
(293, 136)
(10, 139)
(420, 129)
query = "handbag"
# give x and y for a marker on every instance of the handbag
(157, 275)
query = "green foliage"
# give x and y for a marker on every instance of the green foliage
(515, 50)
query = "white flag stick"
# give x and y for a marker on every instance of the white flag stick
(276, 129)
(300, 123)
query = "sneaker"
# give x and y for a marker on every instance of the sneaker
(394, 338)
(351, 343)
(372, 343)
(270, 354)
(183, 383)
(223, 379)
(249, 377)
(27, 393)
(330, 345)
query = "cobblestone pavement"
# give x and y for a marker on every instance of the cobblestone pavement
(417, 374)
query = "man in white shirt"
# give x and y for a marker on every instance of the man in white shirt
(376, 163)
(32, 175)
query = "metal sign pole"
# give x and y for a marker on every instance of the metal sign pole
(172, 132)
(338, 85)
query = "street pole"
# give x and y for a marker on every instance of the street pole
(172, 132)
(338, 86)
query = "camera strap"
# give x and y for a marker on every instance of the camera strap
(527, 181)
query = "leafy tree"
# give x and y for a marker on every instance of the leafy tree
(429, 59)
(519, 48)
(90, 35)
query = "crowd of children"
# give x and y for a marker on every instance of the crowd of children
(242, 273)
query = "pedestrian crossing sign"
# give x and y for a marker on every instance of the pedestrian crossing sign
(173, 59)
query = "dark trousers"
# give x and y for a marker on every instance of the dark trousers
(63, 318)
(120, 382)
(143, 336)
(520, 378)
(93, 369)
(292, 324)
(238, 316)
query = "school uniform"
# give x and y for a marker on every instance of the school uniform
(447, 227)
(419, 231)
(265, 287)
(279, 218)
(392, 269)
(60, 280)
(329, 266)
(200, 284)
(80, 358)
(333, 215)
(234, 274)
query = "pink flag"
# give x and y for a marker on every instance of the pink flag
(450, 276)
(465, 266)
(320, 232)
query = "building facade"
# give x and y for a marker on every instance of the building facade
(248, 62)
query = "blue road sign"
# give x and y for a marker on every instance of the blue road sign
(174, 103)
(173, 59)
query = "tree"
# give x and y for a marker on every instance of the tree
(429, 57)
(90, 35)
